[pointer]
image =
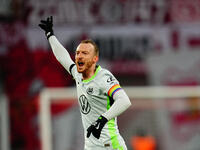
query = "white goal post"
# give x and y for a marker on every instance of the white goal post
(4, 123)
(157, 93)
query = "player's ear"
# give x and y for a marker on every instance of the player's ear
(95, 58)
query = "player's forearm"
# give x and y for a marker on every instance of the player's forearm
(60, 53)
(122, 102)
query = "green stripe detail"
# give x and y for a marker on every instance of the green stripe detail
(108, 103)
(90, 79)
(112, 130)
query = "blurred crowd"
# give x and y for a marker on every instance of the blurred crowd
(24, 73)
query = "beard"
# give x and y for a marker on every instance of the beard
(87, 65)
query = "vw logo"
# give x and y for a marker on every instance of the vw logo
(84, 104)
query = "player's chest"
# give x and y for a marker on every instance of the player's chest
(89, 96)
(89, 90)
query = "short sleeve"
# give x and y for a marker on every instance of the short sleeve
(110, 84)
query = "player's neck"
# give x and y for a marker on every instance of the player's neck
(89, 72)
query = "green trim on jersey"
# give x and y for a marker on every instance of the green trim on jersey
(95, 74)
(112, 130)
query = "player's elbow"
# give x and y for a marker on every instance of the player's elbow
(121, 95)
(128, 103)
(127, 100)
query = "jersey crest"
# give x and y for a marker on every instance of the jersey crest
(90, 90)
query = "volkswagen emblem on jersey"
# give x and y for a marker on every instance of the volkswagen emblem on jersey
(84, 104)
(90, 90)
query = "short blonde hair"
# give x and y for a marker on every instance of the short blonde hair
(96, 49)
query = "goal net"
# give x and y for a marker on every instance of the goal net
(169, 114)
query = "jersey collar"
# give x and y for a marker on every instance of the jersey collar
(95, 74)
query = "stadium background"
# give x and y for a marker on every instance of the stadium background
(142, 42)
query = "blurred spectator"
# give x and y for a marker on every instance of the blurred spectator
(142, 141)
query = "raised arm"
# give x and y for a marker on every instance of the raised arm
(59, 51)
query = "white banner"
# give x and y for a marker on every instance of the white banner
(91, 12)
(181, 68)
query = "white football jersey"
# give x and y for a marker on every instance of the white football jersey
(95, 97)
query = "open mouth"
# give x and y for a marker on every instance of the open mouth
(80, 64)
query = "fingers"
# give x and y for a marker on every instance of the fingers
(42, 26)
(89, 131)
(44, 21)
(48, 20)
(96, 133)
(51, 19)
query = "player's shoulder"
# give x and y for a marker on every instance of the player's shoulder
(106, 79)
(103, 72)
(105, 75)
